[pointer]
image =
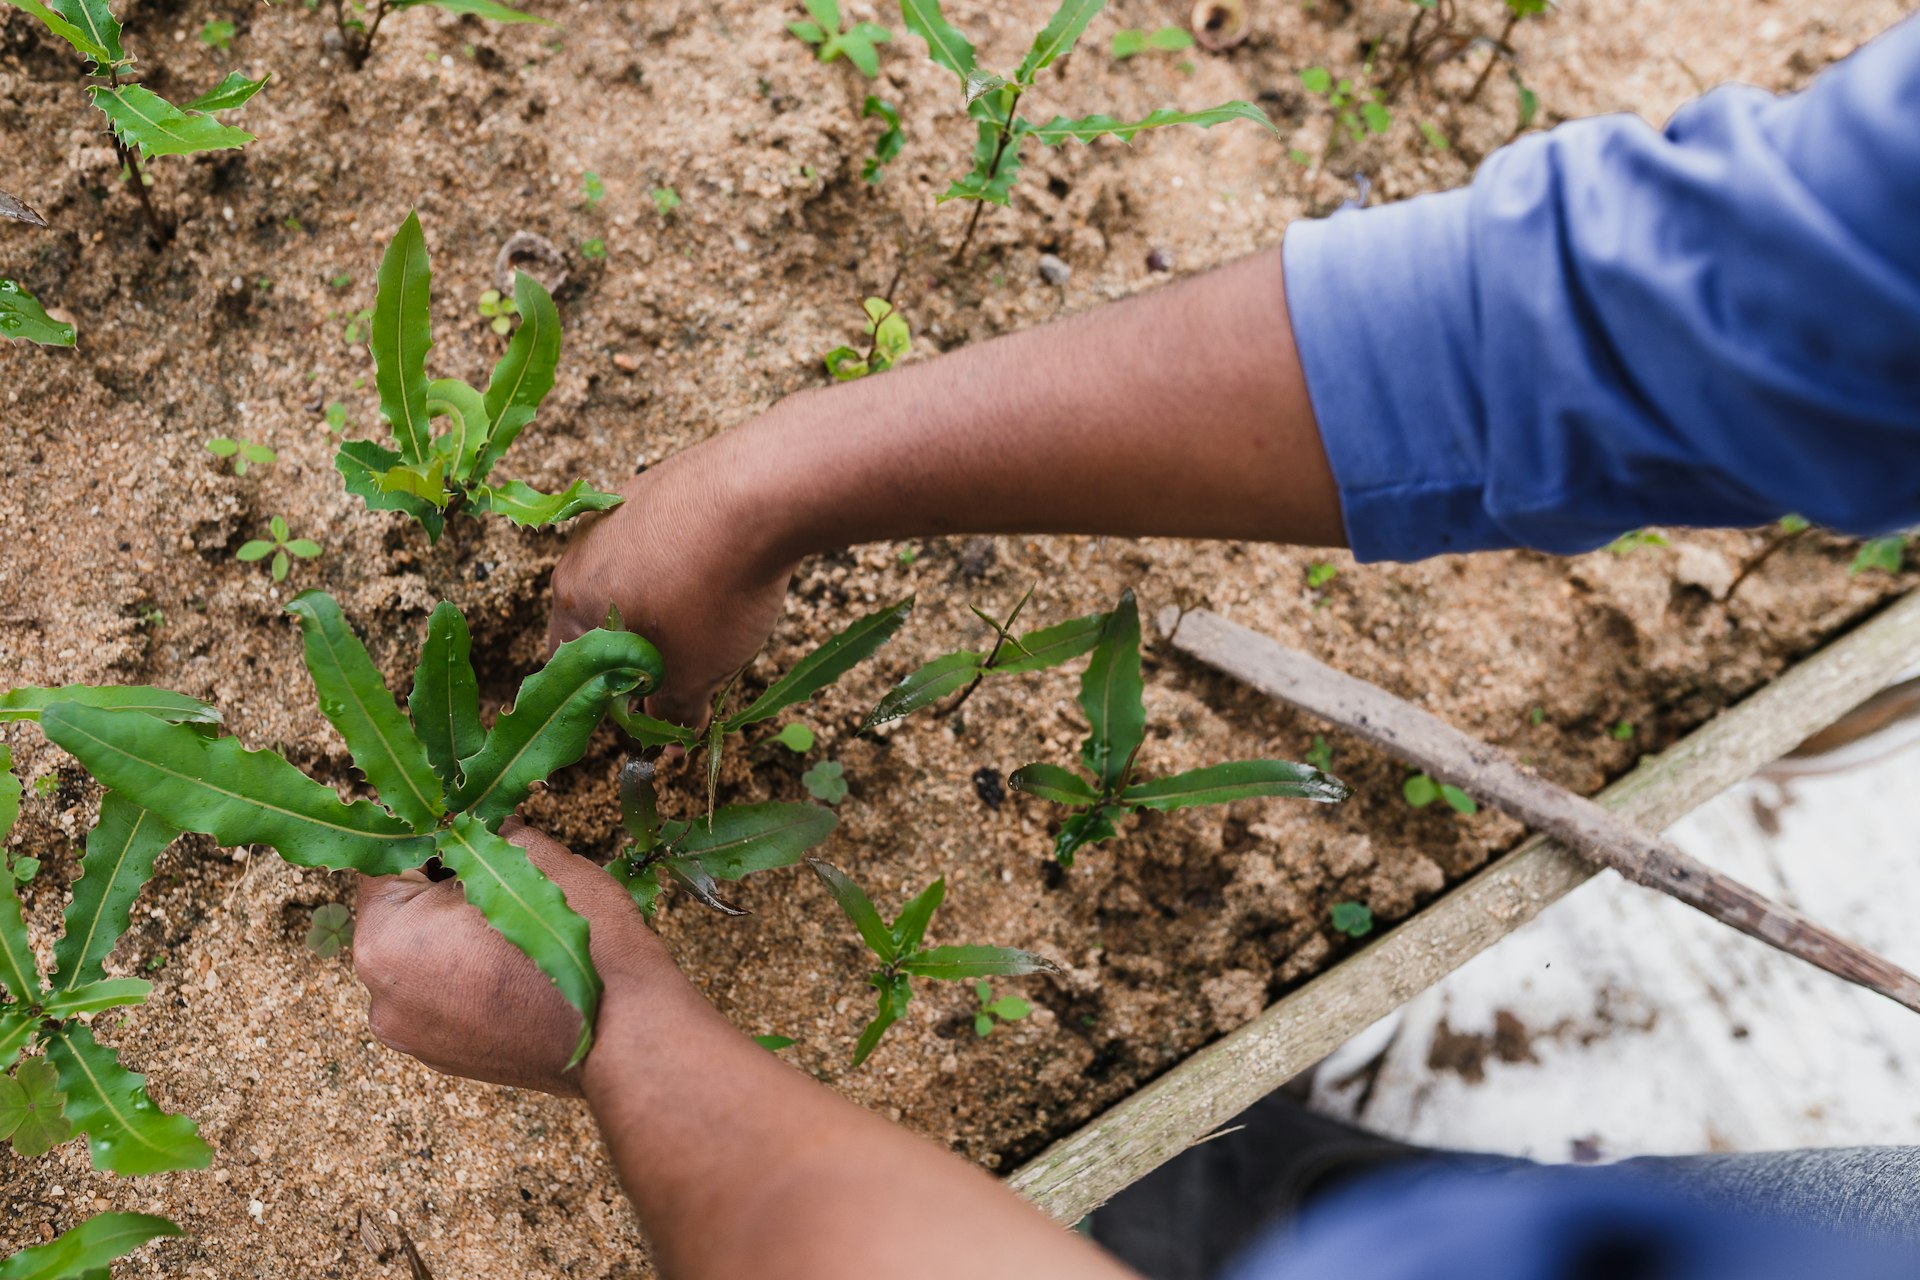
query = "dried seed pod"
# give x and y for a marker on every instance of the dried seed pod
(1219, 24)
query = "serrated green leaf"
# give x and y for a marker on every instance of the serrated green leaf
(952, 963)
(649, 731)
(445, 702)
(19, 971)
(121, 850)
(92, 997)
(229, 93)
(402, 334)
(524, 375)
(529, 508)
(125, 1131)
(946, 46)
(217, 787)
(528, 910)
(97, 20)
(1082, 829)
(894, 994)
(745, 838)
(1240, 780)
(27, 703)
(1110, 694)
(356, 702)
(361, 463)
(1050, 646)
(77, 36)
(1058, 36)
(859, 909)
(16, 1028)
(839, 655)
(491, 10)
(23, 318)
(426, 481)
(1062, 129)
(466, 412)
(1051, 782)
(143, 119)
(910, 926)
(926, 685)
(87, 1248)
(553, 716)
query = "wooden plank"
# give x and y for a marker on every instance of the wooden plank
(1136, 1136)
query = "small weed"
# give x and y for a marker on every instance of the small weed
(886, 147)
(336, 417)
(279, 545)
(857, 42)
(217, 34)
(331, 930)
(498, 311)
(1358, 109)
(1319, 755)
(24, 869)
(774, 1044)
(665, 200)
(1351, 918)
(1621, 732)
(244, 453)
(888, 341)
(341, 280)
(1888, 555)
(1421, 791)
(1628, 543)
(1320, 573)
(594, 250)
(826, 781)
(796, 737)
(592, 188)
(1005, 1009)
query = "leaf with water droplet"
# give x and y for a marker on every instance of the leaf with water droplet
(22, 318)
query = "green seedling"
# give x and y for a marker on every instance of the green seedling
(1111, 698)
(1435, 138)
(826, 664)
(217, 34)
(1128, 42)
(280, 546)
(427, 473)
(594, 250)
(903, 956)
(359, 21)
(1351, 918)
(739, 841)
(993, 102)
(1358, 109)
(1421, 791)
(1792, 524)
(143, 124)
(336, 417)
(1628, 543)
(829, 41)
(1319, 755)
(1622, 732)
(244, 453)
(963, 671)
(1888, 555)
(665, 200)
(87, 1252)
(592, 188)
(331, 930)
(886, 147)
(1005, 1009)
(888, 342)
(1320, 573)
(795, 737)
(498, 311)
(24, 869)
(909, 556)
(826, 781)
(358, 327)
(22, 319)
(443, 782)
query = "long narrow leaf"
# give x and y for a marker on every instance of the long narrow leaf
(894, 994)
(1054, 41)
(445, 701)
(946, 46)
(974, 962)
(1110, 694)
(553, 716)
(19, 971)
(362, 463)
(217, 787)
(121, 850)
(649, 731)
(162, 704)
(826, 664)
(531, 509)
(1240, 780)
(489, 9)
(746, 838)
(144, 119)
(22, 318)
(1062, 129)
(910, 926)
(356, 701)
(87, 1250)
(92, 997)
(10, 793)
(402, 334)
(1051, 782)
(854, 901)
(525, 373)
(529, 911)
(125, 1131)
(16, 1028)
(1050, 646)
(925, 686)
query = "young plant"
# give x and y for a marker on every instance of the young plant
(665, 200)
(243, 453)
(143, 124)
(886, 147)
(1517, 10)
(1005, 1009)
(22, 318)
(1357, 110)
(826, 781)
(962, 671)
(592, 189)
(826, 664)
(1628, 543)
(903, 955)
(279, 545)
(740, 840)
(1110, 696)
(443, 782)
(426, 474)
(993, 103)
(498, 311)
(217, 33)
(359, 21)
(1128, 42)
(888, 342)
(1419, 790)
(1354, 919)
(829, 41)
(1885, 554)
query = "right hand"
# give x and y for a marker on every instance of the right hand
(682, 559)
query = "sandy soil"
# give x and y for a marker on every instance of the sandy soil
(119, 532)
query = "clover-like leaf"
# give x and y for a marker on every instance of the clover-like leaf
(445, 702)
(1240, 780)
(86, 1251)
(529, 508)
(23, 318)
(859, 909)
(402, 334)
(30, 1109)
(330, 930)
(125, 1131)
(77, 34)
(524, 375)
(217, 787)
(1110, 697)
(143, 119)
(356, 701)
(121, 850)
(826, 664)
(951, 963)
(1351, 918)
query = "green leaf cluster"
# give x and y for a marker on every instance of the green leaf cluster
(23, 319)
(888, 341)
(242, 453)
(279, 543)
(858, 42)
(1358, 109)
(429, 469)
(903, 955)
(1111, 699)
(444, 782)
(1354, 919)
(993, 100)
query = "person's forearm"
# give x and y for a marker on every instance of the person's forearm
(739, 1165)
(1182, 413)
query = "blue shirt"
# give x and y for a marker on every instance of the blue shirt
(1615, 326)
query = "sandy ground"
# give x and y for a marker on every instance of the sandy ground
(119, 532)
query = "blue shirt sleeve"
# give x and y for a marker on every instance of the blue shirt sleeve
(1616, 326)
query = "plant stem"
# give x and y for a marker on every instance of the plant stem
(993, 171)
(158, 231)
(1500, 50)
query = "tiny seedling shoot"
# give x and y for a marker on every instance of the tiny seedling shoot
(888, 342)
(886, 147)
(444, 782)
(992, 1011)
(280, 544)
(1110, 697)
(428, 473)
(144, 125)
(903, 956)
(1420, 790)
(993, 102)
(857, 42)
(359, 21)
(241, 454)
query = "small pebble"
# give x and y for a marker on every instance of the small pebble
(1054, 271)
(626, 363)
(1159, 260)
